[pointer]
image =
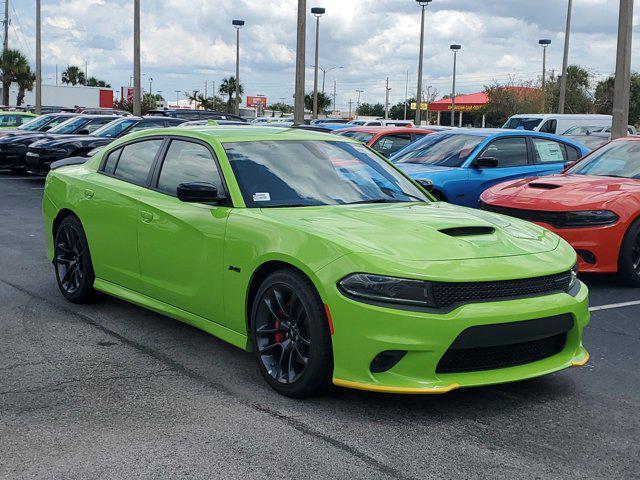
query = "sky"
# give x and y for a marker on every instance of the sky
(186, 43)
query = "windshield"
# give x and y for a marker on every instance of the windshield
(360, 136)
(289, 173)
(36, 123)
(70, 126)
(617, 159)
(444, 149)
(115, 128)
(526, 123)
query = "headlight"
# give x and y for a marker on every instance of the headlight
(385, 289)
(589, 218)
(574, 276)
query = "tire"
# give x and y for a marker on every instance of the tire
(290, 335)
(72, 262)
(629, 259)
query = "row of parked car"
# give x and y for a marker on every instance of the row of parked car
(591, 200)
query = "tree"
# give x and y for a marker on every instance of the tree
(228, 87)
(324, 101)
(281, 107)
(73, 75)
(192, 97)
(212, 103)
(370, 110)
(13, 64)
(603, 98)
(94, 82)
(25, 81)
(511, 98)
(579, 98)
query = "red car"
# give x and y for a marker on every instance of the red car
(594, 205)
(385, 140)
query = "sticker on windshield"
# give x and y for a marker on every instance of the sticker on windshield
(261, 197)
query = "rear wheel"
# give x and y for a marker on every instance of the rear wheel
(629, 260)
(290, 335)
(72, 262)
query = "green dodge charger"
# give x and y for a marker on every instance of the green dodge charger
(318, 256)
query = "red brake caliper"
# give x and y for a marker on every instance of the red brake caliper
(279, 336)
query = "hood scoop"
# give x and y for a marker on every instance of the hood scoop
(544, 186)
(467, 231)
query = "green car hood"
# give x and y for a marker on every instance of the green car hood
(414, 231)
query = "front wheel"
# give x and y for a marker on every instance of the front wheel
(629, 261)
(72, 262)
(290, 335)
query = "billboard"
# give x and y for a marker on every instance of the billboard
(255, 102)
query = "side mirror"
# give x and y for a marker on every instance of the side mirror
(486, 162)
(426, 184)
(201, 192)
(46, 128)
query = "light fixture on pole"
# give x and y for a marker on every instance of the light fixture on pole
(423, 4)
(238, 24)
(317, 12)
(455, 49)
(544, 43)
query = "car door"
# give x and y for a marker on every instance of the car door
(181, 244)
(111, 209)
(512, 156)
(550, 156)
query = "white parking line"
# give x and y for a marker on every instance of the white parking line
(614, 305)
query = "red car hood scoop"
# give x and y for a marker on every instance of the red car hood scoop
(544, 186)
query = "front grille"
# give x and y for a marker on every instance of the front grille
(489, 347)
(556, 219)
(446, 294)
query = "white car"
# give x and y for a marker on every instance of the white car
(556, 123)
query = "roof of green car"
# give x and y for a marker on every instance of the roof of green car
(234, 133)
(23, 114)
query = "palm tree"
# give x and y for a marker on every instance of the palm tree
(73, 75)
(94, 82)
(13, 64)
(228, 87)
(324, 101)
(25, 82)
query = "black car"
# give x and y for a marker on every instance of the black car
(13, 149)
(42, 123)
(43, 152)
(188, 114)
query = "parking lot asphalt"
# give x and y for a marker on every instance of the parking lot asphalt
(113, 391)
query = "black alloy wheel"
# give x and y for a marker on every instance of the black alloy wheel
(290, 335)
(629, 259)
(72, 261)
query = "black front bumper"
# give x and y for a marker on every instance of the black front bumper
(39, 161)
(12, 156)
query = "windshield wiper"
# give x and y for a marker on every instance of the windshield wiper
(376, 200)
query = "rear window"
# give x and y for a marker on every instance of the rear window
(524, 123)
(444, 149)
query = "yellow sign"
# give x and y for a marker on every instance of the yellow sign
(423, 106)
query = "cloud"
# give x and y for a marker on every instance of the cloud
(188, 42)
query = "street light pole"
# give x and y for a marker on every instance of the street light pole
(455, 49)
(317, 12)
(423, 4)
(545, 42)
(38, 59)
(386, 101)
(298, 110)
(565, 62)
(358, 101)
(177, 98)
(622, 82)
(238, 25)
(137, 110)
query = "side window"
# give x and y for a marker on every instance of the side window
(147, 124)
(573, 154)
(187, 162)
(374, 124)
(111, 162)
(548, 151)
(8, 121)
(549, 126)
(510, 152)
(392, 143)
(136, 160)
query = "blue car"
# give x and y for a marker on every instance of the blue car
(462, 163)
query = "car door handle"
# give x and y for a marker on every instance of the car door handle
(88, 193)
(146, 216)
